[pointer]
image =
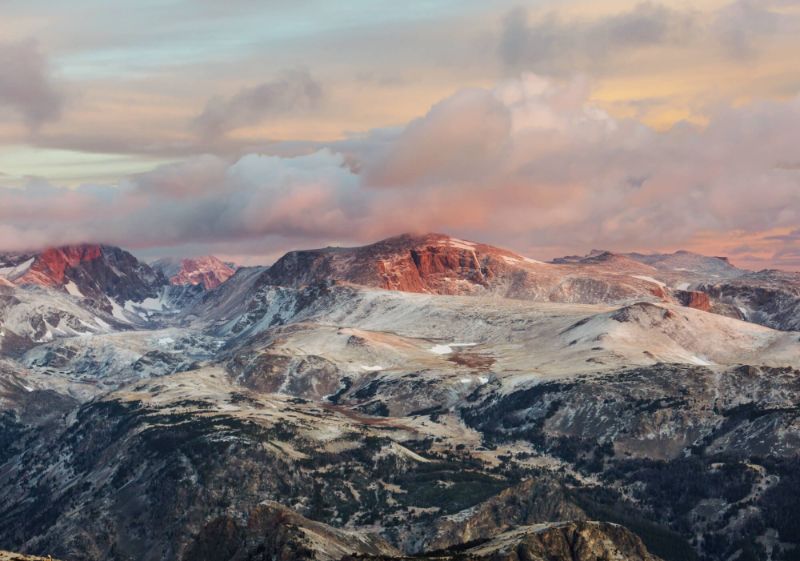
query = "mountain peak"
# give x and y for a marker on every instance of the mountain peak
(86, 270)
(208, 271)
(49, 268)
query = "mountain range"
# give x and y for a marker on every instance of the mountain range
(423, 396)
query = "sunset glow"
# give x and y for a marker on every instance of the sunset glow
(248, 128)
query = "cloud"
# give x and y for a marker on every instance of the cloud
(458, 138)
(742, 25)
(204, 199)
(552, 44)
(26, 84)
(294, 92)
(558, 45)
(531, 164)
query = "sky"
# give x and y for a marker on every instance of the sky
(247, 128)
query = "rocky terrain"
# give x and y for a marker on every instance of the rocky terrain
(423, 396)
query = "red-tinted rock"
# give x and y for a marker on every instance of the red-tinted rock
(694, 299)
(207, 271)
(439, 264)
(50, 266)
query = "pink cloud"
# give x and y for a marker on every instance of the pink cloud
(532, 164)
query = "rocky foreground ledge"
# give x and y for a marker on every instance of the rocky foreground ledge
(568, 541)
(276, 533)
(9, 556)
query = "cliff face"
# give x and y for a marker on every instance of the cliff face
(50, 267)
(694, 299)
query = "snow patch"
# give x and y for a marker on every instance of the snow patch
(16, 271)
(650, 279)
(447, 349)
(73, 290)
(118, 311)
(460, 244)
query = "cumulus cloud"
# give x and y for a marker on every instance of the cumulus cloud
(26, 84)
(201, 200)
(294, 91)
(532, 164)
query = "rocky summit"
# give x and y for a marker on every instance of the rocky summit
(422, 397)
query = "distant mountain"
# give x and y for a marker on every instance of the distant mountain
(207, 271)
(89, 271)
(440, 264)
(679, 266)
(686, 261)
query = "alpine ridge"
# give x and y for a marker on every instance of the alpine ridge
(420, 397)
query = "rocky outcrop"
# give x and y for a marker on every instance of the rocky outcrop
(9, 556)
(566, 541)
(527, 503)
(770, 298)
(273, 532)
(694, 299)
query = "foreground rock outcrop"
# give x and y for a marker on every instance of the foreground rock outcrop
(566, 541)
(10, 556)
(273, 532)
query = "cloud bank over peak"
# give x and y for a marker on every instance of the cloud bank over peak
(532, 164)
